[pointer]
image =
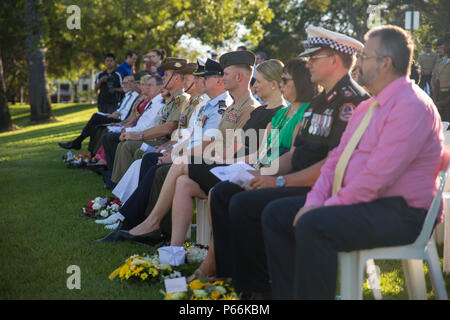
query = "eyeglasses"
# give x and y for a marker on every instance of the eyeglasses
(362, 56)
(319, 56)
(285, 80)
(146, 61)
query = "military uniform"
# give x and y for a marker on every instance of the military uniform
(189, 110)
(128, 151)
(322, 126)
(324, 122)
(437, 68)
(444, 89)
(236, 214)
(427, 63)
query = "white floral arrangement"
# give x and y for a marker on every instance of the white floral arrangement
(196, 253)
(102, 207)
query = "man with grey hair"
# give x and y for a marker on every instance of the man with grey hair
(375, 187)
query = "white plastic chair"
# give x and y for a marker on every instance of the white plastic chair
(424, 248)
(442, 232)
(203, 228)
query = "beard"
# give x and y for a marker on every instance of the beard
(366, 78)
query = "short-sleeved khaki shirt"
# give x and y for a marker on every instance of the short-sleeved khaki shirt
(236, 115)
(444, 76)
(186, 114)
(174, 107)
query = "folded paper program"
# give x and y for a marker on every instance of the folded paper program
(173, 256)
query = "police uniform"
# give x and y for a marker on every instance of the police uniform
(128, 151)
(236, 214)
(324, 122)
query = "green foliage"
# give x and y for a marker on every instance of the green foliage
(283, 35)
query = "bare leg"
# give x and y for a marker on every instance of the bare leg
(164, 202)
(182, 208)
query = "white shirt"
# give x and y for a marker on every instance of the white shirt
(127, 102)
(151, 115)
(211, 111)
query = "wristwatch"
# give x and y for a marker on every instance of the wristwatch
(281, 181)
(141, 136)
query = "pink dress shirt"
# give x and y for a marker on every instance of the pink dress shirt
(398, 155)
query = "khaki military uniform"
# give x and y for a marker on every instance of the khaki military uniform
(427, 62)
(444, 89)
(437, 68)
(236, 115)
(129, 151)
(185, 115)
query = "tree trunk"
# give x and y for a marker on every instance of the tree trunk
(41, 109)
(6, 123)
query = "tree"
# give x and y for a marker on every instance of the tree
(5, 117)
(283, 35)
(36, 32)
(35, 52)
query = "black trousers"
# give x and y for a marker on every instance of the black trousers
(238, 241)
(424, 79)
(134, 208)
(91, 127)
(445, 110)
(107, 107)
(110, 142)
(303, 260)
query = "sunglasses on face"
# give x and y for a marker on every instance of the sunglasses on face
(285, 80)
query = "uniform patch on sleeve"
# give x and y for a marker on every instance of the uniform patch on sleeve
(346, 111)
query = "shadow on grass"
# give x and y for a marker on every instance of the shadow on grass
(55, 130)
(58, 111)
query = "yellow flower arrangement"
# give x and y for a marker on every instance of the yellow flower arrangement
(144, 268)
(199, 290)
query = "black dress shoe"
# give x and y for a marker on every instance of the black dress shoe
(113, 236)
(150, 238)
(107, 180)
(70, 145)
(97, 168)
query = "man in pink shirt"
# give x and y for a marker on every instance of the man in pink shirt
(387, 186)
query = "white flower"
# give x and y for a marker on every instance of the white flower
(104, 213)
(98, 200)
(96, 206)
(220, 289)
(173, 275)
(200, 294)
(177, 296)
(195, 254)
(115, 207)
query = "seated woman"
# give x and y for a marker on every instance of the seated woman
(200, 180)
(150, 95)
(259, 119)
(195, 87)
(298, 91)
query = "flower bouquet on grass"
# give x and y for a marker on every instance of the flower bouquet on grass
(77, 160)
(204, 290)
(195, 253)
(101, 207)
(149, 265)
(144, 268)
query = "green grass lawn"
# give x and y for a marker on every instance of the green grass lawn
(42, 232)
